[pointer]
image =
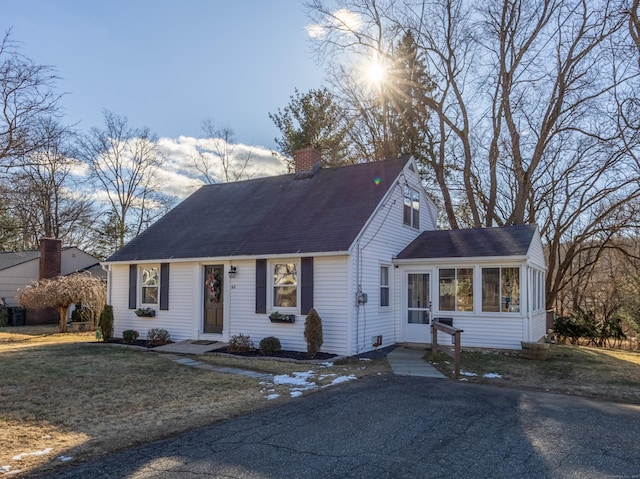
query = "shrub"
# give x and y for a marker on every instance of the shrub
(270, 345)
(80, 315)
(130, 335)
(313, 333)
(4, 316)
(240, 344)
(158, 337)
(106, 323)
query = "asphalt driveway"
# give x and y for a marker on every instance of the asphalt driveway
(399, 427)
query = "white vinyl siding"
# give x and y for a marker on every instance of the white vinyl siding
(330, 301)
(179, 319)
(382, 239)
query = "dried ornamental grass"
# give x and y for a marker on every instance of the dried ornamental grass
(63, 291)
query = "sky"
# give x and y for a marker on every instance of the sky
(169, 65)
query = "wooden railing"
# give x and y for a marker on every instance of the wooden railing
(452, 351)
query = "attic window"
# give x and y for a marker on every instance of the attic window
(411, 210)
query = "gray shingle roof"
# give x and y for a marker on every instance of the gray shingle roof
(11, 258)
(469, 243)
(272, 215)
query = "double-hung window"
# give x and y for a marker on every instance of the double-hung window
(149, 284)
(285, 285)
(456, 289)
(411, 209)
(384, 286)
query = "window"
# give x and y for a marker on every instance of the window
(538, 290)
(150, 284)
(456, 289)
(384, 286)
(501, 289)
(411, 211)
(285, 285)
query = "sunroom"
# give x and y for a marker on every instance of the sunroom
(488, 282)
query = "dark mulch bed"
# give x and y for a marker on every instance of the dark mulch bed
(138, 342)
(298, 355)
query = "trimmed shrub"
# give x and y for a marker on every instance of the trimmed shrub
(240, 344)
(106, 323)
(270, 345)
(130, 335)
(158, 337)
(4, 316)
(313, 333)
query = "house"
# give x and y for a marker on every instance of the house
(18, 269)
(357, 243)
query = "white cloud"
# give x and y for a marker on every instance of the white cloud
(344, 20)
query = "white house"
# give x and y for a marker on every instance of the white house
(356, 243)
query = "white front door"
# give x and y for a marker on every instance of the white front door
(418, 308)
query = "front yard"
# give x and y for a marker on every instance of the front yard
(64, 399)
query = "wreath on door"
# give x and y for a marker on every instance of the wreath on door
(213, 285)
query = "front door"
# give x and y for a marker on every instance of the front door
(213, 282)
(418, 312)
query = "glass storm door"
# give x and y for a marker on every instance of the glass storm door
(418, 329)
(213, 282)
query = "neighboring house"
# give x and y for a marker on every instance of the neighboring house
(19, 269)
(357, 243)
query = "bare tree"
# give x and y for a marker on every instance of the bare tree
(44, 198)
(221, 160)
(124, 161)
(525, 124)
(63, 291)
(26, 93)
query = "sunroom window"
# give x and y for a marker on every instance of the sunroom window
(285, 285)
(456, 289)
(501, 290)
(150, 284)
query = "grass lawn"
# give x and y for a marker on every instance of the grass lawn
(62, 397)
(578, 370)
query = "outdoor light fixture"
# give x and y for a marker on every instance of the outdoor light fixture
(232, 271)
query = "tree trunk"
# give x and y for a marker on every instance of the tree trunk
(63, 318)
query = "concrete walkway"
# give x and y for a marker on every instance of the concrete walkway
(410, 362)
(403, 361)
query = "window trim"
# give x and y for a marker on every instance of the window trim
(456, 287)
(500, 297)
(411, 200)
(142, 286)
(386, 287)
(271, 285)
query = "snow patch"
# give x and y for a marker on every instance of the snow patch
(466, 373)
(271, 397)
(34, 453)
(492, 376)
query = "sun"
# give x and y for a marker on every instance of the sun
(376, 71)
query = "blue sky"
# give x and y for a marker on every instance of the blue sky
(168, 65)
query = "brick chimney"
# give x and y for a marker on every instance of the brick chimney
(305, 159)
(50, 258)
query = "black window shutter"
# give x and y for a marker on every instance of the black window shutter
(261, 286)
(133, 286)
(164, 286)
(306, 280)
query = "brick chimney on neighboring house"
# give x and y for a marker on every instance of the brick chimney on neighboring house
(305, 159)
(50, 267)
(50, 258)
